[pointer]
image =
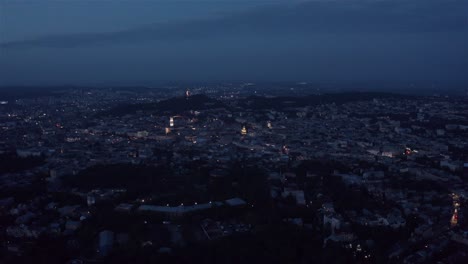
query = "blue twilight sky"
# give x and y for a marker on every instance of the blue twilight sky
(143, 41)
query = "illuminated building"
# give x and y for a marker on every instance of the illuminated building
(167, 130)
(187, 93)
(407, 151)
(171, 121)
(269, 124)
(456, 205)
(244, 131)
(454, 219)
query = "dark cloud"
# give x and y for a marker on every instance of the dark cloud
(304, 19)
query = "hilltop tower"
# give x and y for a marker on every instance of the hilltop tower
(171, 121)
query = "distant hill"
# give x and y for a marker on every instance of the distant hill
(256, 102)
(203, 102)
(8, 93)
(172, 105)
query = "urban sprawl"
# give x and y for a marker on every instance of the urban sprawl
(232, 174)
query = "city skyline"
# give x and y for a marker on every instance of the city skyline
(234, 131)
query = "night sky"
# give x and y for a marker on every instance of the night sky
(141, 41)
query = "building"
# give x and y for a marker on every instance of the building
(244, 131)
(171, 121)
(106, 242)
